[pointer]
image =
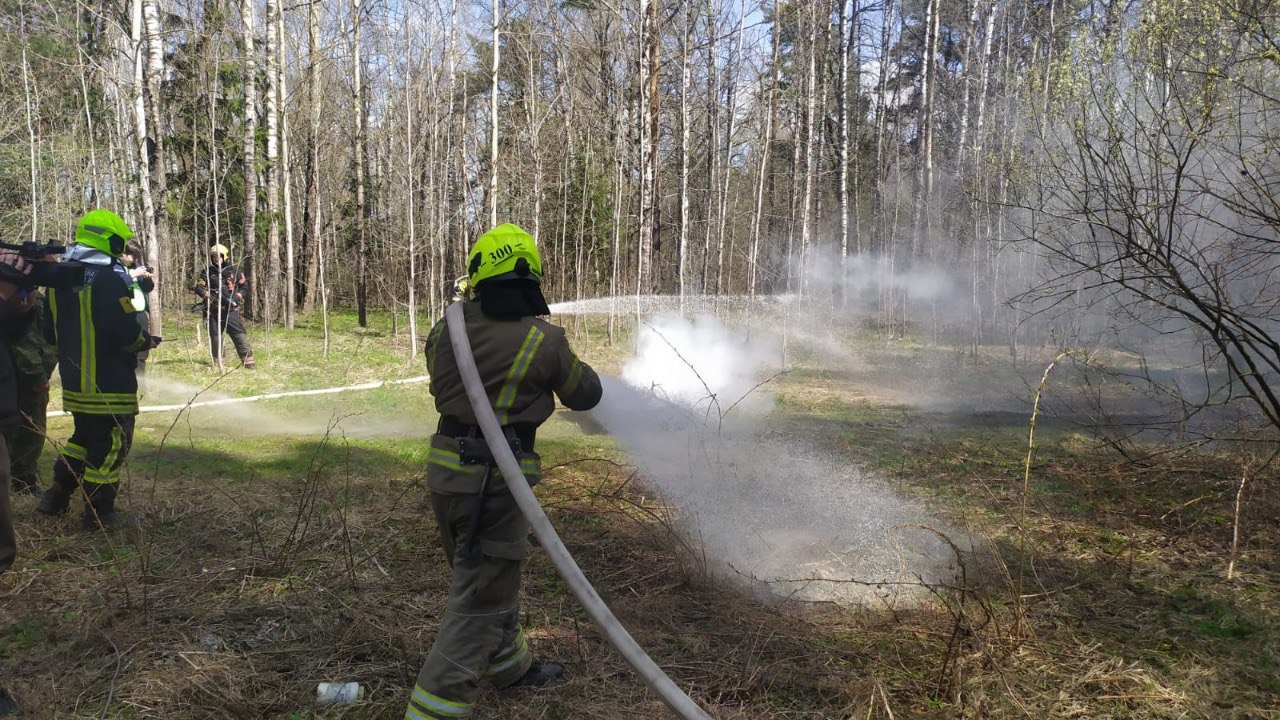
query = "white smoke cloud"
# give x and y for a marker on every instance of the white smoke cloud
(703, 365)
(771, 509)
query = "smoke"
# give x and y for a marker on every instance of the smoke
(702, 365)
(761, 506)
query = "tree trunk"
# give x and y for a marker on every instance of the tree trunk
(141, 155)
(753, 262)
(362, 243)
(649, 139)
(290, 291)
(29, 97)
(311, 214)
(249, 223)
(271, 287)
(493, 118)
(411, 172)
(846, 42)
(683, 260)
(156, 244)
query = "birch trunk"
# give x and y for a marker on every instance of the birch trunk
(141, 154)
(684, 156)
(271, 287)
(290, 291)
(249, 223)
(493, 118)
(156, 243)
(358, 101)
(29, 98)
(845, 36)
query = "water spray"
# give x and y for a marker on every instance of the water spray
(617, 635)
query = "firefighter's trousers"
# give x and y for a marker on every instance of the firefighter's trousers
(480, 635)
(230, 322)
(93, 456)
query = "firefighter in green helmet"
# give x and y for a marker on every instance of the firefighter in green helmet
(98, 337)
(524, 363)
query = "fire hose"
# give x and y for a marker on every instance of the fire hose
(618, 637)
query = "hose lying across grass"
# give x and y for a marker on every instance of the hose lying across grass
(268, 396)
(653, 676)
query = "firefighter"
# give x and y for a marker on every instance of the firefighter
(98, 338)
(522, 361)
(222, 289)
(34, 358)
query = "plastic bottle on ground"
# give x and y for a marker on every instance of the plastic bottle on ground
(339, 692)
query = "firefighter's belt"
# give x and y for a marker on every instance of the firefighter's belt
(522, 433)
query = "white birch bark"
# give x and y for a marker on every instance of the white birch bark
(249, 222)
(271, 285)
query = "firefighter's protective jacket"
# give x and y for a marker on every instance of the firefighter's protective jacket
(221, 284)
(97, 335)
(524, 364)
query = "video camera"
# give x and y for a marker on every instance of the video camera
(64, 275)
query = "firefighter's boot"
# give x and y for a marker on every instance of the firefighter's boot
(100, 511)
(541, 675)
(55, 500)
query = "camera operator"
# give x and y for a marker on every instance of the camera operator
(141, 279)
(34, 359)
(15, 315)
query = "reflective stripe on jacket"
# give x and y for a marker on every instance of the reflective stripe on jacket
(524, 364)
(97, 335)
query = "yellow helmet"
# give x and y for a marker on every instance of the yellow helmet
(505, 252)
(219, 249)
(103, 230)
(461, 289)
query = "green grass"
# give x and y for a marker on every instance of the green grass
(286, 542)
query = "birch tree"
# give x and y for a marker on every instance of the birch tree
(249, 168)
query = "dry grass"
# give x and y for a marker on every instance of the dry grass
(269, 564)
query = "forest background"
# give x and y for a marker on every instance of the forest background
(1087, 173)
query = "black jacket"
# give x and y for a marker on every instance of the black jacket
(221, 283)
(97, 333)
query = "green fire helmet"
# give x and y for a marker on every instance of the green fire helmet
(505, 252)
(103, 230)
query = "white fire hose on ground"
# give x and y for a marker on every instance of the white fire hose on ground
(653, 676)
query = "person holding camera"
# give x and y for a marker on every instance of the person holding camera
(15, 316)
(141, 279)
(34, 359)
(222, 289)
(95, 329)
